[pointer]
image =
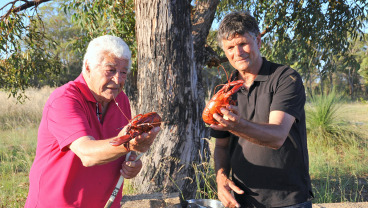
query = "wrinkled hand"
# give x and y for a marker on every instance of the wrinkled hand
(142, 142)
(229, 121)
(224, 187)
(131, 168)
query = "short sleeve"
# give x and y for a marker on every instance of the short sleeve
(67, 121)
(219, 134)
(289, 95)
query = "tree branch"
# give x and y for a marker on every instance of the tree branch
(202, 16)
(268, 29)
(26, 5)
(212, 59)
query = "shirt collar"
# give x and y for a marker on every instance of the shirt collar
(83, 87)
(262, 75)
(264, 72)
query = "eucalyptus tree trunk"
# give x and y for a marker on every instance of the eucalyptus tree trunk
(321, 83)
(169, 82)
(351, 82)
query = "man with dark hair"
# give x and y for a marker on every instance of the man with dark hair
(268, 157)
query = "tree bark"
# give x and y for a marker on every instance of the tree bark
(169, 82)
(351, 83)
(202, 18)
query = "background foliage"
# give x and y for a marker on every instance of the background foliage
(324, 40)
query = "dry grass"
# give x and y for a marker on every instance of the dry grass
(338, 173)
(14, 114)
(338, 170)
(357, 115)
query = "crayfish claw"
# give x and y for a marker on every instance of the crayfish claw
(120, 140)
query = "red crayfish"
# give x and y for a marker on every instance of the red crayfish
(138, 125)
(221, 99)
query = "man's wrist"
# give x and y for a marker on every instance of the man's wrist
(126, 145)
(222, 172)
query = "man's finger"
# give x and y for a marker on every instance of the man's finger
(130, 164)
(156, 129)
(229, 115)
(219, 118)
(151, 134)
(235, 188)
(228, 200)
(233, 109)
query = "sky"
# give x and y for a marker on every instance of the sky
(2, 3)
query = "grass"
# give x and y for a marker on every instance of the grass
(338, 169)
(17, 149)
(19, 125)
(338, 144)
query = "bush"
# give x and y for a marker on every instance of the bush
(322, 121)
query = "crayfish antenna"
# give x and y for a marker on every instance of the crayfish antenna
(117, 105)
(227, 77)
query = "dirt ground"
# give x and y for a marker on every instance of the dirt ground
(159, 200)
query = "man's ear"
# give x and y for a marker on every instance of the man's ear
(86, 66)
(259, 41)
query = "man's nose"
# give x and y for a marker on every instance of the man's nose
(239, 50)
(119, 77)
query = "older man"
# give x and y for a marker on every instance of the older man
(75, 165)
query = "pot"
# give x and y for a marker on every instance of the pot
(201, 203)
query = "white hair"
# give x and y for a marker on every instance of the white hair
(99, 46)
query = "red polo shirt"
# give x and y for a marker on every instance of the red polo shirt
(57, 177)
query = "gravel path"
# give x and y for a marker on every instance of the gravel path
(342, 205)
(159, 200)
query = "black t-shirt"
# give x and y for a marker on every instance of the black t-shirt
(269, 177)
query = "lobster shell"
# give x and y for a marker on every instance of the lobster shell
(221, 99)
(138, 125)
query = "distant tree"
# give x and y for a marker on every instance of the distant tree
(362, 57)
(23, 54)
(60, 29)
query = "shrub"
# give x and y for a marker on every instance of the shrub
(322, 121)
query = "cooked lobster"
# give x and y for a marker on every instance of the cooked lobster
(138, 125)
(221, 99)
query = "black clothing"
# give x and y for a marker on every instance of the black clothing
(269, 177)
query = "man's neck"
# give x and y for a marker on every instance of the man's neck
(250, 75)
(97, 98)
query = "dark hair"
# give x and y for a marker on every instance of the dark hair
(237, 23)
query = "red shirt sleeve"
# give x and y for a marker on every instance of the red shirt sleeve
(67, 120)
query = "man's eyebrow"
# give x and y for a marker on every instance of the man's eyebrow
(110, 64)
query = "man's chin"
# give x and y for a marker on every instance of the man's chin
(112, 95)
(242, 67)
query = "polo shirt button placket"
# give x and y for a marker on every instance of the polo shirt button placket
(98, 113)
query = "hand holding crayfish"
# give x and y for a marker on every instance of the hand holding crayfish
(220, 100)
(228, 120)
(140, 133)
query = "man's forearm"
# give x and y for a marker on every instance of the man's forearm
(96, 152)
(222, 159)
(263, 134)
(271, 134)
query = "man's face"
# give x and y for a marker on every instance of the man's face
(106, 79)
(243, 52)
